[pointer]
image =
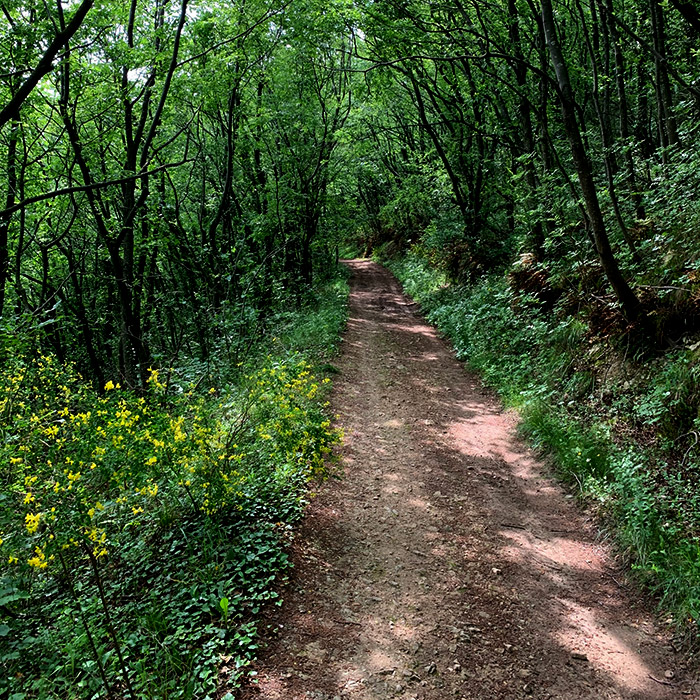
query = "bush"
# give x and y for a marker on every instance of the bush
(142, 533)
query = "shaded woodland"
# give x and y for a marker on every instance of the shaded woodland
(166, 168)
(177, 182)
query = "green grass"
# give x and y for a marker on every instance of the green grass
(621, 432)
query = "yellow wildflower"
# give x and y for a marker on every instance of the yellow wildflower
(31, 522)
(38, 561)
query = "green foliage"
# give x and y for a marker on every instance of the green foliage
(623, 434)
(143, 533)
(245, 202)
(671, 403)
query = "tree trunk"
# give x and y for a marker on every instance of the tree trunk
(603, 114)
(629, 302)
(9, 201)
(526, 130)
(668, 130)
(623, 108)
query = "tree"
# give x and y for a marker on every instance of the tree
(584, 170)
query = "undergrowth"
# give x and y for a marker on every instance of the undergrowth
(141, 534)
(623, 431)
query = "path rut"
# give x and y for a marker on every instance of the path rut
(447, 563)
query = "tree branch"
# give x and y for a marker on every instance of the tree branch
(86, 188)
(11, 110)
(630, 32)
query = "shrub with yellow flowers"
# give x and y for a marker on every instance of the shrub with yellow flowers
(136, 515)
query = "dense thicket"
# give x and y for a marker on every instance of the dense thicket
(168, 166)
(561, 133)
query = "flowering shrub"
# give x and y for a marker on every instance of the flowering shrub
(138, 515)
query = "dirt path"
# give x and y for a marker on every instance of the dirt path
(447, 564)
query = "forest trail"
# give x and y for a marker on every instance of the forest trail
(447, 563)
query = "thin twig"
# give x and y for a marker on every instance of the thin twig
(621, 585)
(347, 622)
(661, 682)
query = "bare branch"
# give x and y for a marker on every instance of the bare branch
(11, 110)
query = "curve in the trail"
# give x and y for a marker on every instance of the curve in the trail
(447, 563)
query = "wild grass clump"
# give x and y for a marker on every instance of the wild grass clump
(141, 533)
(623, 433)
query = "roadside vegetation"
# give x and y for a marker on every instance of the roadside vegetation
(143, 533)
(620, 424)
